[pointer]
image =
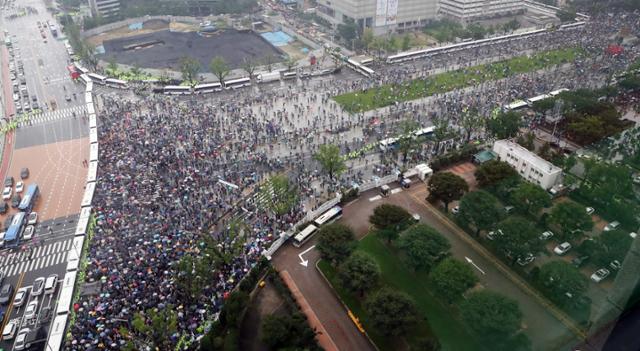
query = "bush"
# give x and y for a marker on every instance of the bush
(349, 195)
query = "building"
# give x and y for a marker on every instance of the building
(530, 166)
(105, 8)
(470, 10)
(382, 16)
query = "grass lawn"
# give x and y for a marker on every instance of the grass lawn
(440, 83)
(438, 319)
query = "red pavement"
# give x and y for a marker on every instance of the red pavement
(9, 109)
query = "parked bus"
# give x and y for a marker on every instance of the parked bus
(304, 235)
(97, 78)
(424, 132)
(289, 75)
(558, 92)
(331, 215)
(207, 88)
(531, 101)
(516, 105)
(388, 144)
(176, 90)
(12, 236)
(116, 83)
(237, 83)
(360, 68)
(267, 77)
(29, 199)
(366, 62)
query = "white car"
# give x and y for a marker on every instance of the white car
(9, 330)
(21, 296)
(32, 310)
(612, 226)
(590, 210)
(562, 248)
(528, 258)
(493, 234)
(38, 287)
(600, 275)
(50, 284)
(19, 187)
(20, 345)
(455, 210)
(546, 235)
(32, 218)
(28, 232)
(7, 192)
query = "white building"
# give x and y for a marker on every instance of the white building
(105, 8)
(381, 15)
(469, 10)
(530, 166)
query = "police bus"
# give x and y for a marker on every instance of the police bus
(29, 199)
(304, 235)
(331, 215)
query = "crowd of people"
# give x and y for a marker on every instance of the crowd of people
(172, 168)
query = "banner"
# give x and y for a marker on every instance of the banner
(381, 12)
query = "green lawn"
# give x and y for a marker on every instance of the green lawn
(439, 319)
(440, 83)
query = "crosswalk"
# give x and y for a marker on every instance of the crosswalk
(14, 263)
(49, 116)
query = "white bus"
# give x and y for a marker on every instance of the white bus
(558, 92)
(424, 132)
(176, 90)
(516, 105)
(237, 83)
(333, 214)
(207, 88)
(267, 77)
(388, 144)
(531, 101)
(362, 69)
(85, 78)
(304, 235)
(289, 75)
(97, 78)
(366, 62)
(116, 83)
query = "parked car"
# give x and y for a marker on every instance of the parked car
(9, 330)
(28, 232)
(15, 200)
(455, 210)
(5, 293)
(600, 275)
(590, 210)
(20, 343)
(546, 235)
(24, 173)
(19, 187)
(528, 258)
(562, 248)
(615, 265)
(579, 261)
(8, 181)
(7, 193)
(31, 310)
(50, 284)
(32, 218)
(3, 207)
(45, 315)
(38, 286)
(612, 226)
(493, 234)
(21, 296)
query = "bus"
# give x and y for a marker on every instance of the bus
(116, 83)
(558, 92)
(12, 236)
(366, 62)
(424, 132)
(360, 68)
(29, 199)
(237, 83)
(267, 77)
(333, 214)
(516, 105)
(289, 75)
(304, 235)
(97, 78)
(176, 90)
(531, 101)
(388, 144)
(207, 88)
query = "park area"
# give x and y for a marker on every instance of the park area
(444, 82)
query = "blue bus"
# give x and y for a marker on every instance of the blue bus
(12, 236)
(29, 199)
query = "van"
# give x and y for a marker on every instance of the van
(50, 284)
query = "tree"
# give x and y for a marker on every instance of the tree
(429, 343)
(391, 312)
(530, 199)
(348, 31)
(493, 172)
(527, 141)
(571, 219)
(269, 60)
(157, 325)
(505, 125)
(423, 246)
(249, 66)
(566, 15)
(446, 187)
(407, 141)
(367, 37)
(359, 273)
(189, 68)
(336, 242)
(406, 42)
(135, 71)
(390, 220)
(112, 66)
(234, 308)
(290, 63)
(519, 238)
(451, 278)
(511, 25)
(219, 68)
(281, 196)
(480, 209)
(287, 332)
(470, 122)
(193, 273)
(275, 331)
(611, 245)
(493, 318)
(545, 151)
(330, 159)
(562, 283)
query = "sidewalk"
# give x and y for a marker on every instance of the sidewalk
(6, 142)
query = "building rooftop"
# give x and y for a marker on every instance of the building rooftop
(530, 157)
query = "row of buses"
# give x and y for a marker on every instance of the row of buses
(518, 104)
(392, 143)
(333, 214)
(412, 55)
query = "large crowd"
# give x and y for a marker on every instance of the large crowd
(171, 168)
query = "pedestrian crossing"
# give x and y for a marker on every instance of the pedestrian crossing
(14, 263)
(38, 118)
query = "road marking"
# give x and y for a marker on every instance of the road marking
(396, 190)
(11, 304)
(375, 198)
(303, 261)
(473, 264)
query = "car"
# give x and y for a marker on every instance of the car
(528, 258)
(19, 187)
(508, 209)
(5, 294)
(546, 235)
(26, 106)
(3, 207)
(45, 315)
(8, 181)
(612, 226)
(67, 97)
(579, 261)
(32, 309)
(15, 200)
(32, 218)
(416, 217)
(562, 248)
(21, 296)
(28, 232)
(615, 265)
(16, 97)
(455, 210)
(50, 284)
(24, 173)
(590, 210)
(38, 286)
(600, 275)
(34, 98)
(493, 234)
(35, 105)
(7, 193)
(9, 330)
(20, 343)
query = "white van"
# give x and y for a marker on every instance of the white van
(50, 284)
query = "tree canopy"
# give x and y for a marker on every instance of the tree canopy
(336, 242)
(219, 68)
(189, 68)
(529, 198)
(389, 217)
(451, 278)
(571, 219)
(423, 246)
(280, 194)
(330, 159)
(611, 245)
(446, 187)
(505, 125)
(519, 238)
(562, 283)
(480, 209)
(359, 273)
(493, 172)
(391, 312)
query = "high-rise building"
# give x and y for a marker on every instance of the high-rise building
(105, 8)
(469, 10)
(380, 15)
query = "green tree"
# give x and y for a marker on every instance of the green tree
(290, 63)
(249, 65)
(527, 141)
(391, 312)
(470, 121)
(367, 38)
(234, 308)
(519, 238)
(446, 187)
(480, 209)
(281, 196)
(330, 159)
(219, 68)
(336, 242)
(135, 71)
(493, 318)
(359, 273)
(611, 245)
(348, 31)
(192, 276)
(268, 61)
(423, 246)
(156, 325)
(571, 219)
(406, 42)
(429, 343)
(562, 283)
(493, 172)
(505, 125)
(287, 332)
(566, 15)
(407, 142)
(390, 220)
(451, 278)
(112, 66)
(529, 198)
(189, 67)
